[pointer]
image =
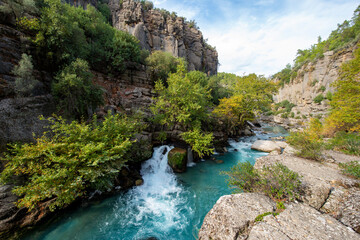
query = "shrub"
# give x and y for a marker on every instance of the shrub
(329, 96)
(24, 81)
(292, 114)
(285, 104)
(346, 142)
(74, 91)
(313, 83)
(285, 115)
(67, 33)
(76, 157)
(319, 98)
(351, 168)
(322, 89)
(160, 65)
(104, 9)
(308, 142)
(276, 181)
(281, 183)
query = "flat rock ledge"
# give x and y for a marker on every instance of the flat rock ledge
(231, 216)
(329, 207)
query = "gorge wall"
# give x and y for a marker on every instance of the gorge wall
(158, 30)
(312, 80)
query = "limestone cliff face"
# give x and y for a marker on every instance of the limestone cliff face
(315, 78)
(312, 79)
(157, 31)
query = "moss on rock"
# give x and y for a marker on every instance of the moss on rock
(177, 159)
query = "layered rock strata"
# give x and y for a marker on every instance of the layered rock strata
(158, 30)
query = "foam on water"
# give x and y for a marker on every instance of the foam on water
(160, 203)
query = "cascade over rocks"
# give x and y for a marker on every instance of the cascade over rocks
(159, 31)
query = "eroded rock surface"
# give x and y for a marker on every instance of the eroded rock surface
(268, 146)
(232, 214)
(157, 30)
(298, 222)
(330, 207)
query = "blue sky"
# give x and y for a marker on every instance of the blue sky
(261, 36)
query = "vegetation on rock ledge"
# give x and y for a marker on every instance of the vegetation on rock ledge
(64, 163)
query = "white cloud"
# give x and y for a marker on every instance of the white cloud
(266, 47)
(264, 38)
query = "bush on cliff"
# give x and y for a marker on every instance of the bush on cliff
(308, 142)
(69, 159)
(24, 81)
(74, 91)
(276, 181)
(160, 65)
(67, 32)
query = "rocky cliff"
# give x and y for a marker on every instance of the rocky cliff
(159, 30)
(314, 79)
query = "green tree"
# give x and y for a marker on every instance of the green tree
(24, 81)
(234, 111)
(200, 142)
(256, 90)
(77, 157)
(74, 91)
(160, 65)
(345, 112)
(184, 102)
(66, 33)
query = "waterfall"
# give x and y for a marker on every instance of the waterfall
(160, 203)
(190, 158)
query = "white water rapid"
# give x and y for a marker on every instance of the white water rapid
(160, 203)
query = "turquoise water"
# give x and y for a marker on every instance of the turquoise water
(166, 206)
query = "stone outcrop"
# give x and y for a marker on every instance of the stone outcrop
(130, 91)
(177, 159)
(157, 30)
(298, 222)
(329, 207)
(232, 214)
(313, 79)
(268, 146)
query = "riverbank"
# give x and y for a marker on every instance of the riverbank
(329, 207)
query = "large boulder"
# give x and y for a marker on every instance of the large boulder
(300, 221)
(232, 214)
(266, 146)
(177, 159)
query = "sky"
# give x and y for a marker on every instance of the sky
(261, 36)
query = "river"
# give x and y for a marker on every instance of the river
(167, 206)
